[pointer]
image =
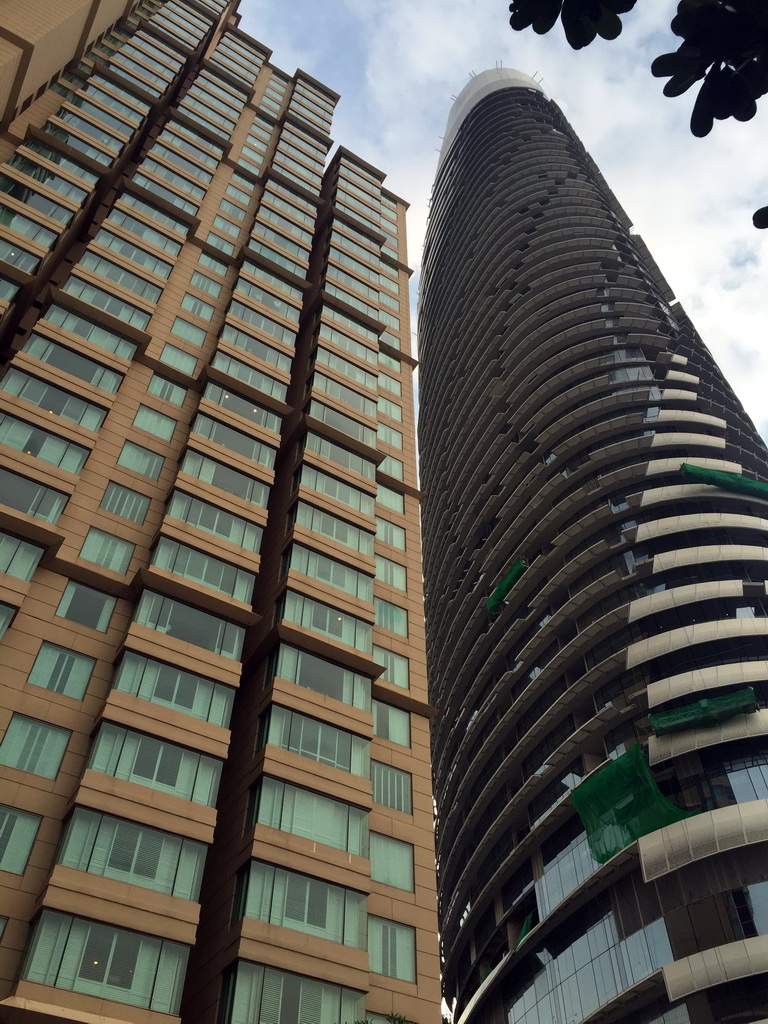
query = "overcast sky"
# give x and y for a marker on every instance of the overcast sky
(397, 64)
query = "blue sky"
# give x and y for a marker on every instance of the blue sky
(397, 63)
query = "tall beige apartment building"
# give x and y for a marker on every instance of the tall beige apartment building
(214, 755)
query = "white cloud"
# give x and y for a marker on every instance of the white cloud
(397, 63)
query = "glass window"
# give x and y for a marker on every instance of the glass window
(305, 813)
(175, 688)
(205, 284)
(154, 422)
(325, 620)
(391, 573)
(112, 963)
(256, 347)
(391, 724)
(197, 307)
(225, 478)
(17, 834)
(250, 375)
(339, 454)
(395, 666)
(122, 501)
(7, 613)
(145, 259)
(220, 243)
(189, 332)
(345, 424)
(97, 297)
(263, 323)
(87, 606)
(392, 949)
(340, 491)
(215, 520)
(179, 359)
(392, 467)
(390, 383)
(120, 276)
(328, 570)
(61, 670)
(390, 499)
(167, 767)
(314, 739)
(212, 572)
(90, 331)
(140, 460)
(47, 447)
(33, 746)
(31, 497)
(184, 622)
(244, 407)
(263, 994)
(128, 852)
(307, 905)
(72, 362)
(322, 676)
(18, 557)
(391, 617)
(391, 862)
(332, 527)
(389, 533)
(391, 787)
(234, 440)
(167, 390)
(53, 399)
(107, 550)
(388, 435)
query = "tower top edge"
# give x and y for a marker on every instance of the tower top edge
(477, 88)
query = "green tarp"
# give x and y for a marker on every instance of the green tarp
(622, 802)
(495, 602)
(525, 929)
(704, 714)
(727, 481)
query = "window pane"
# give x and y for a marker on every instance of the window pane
(305, 813)
(215, 520)
(61, 670)
(264, 995)
(18, 557)
(389, 533)
(305, 904)
(322, 676)
(124, 502)
(167, 767)
(87, 606)
(192, 625)
(172, 687)
(140, 460)
(33, 746)
(167, 390)
(325, 620)
(391, 617)
(317, 740)
(107, 550)
(51, 448)
(395, 667)
(17, 834)
(391, 723)
(392, 949)
(391, 862)
(112, 963)
(154, 422)
(28, 496)
(391, 787)
(103, 845)
(201, 568)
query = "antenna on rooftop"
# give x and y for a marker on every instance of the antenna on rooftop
(472, 74)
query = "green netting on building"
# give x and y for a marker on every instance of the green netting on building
(704, 714)
(527, 925)
(727, 481)
(496, 600)
(622, 802)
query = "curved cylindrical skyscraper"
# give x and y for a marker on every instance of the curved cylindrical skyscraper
(596, 560)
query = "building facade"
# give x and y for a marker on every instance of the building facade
(214, 752)
(591, 606)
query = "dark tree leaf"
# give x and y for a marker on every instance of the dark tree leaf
(609, 25)
(760, 217)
